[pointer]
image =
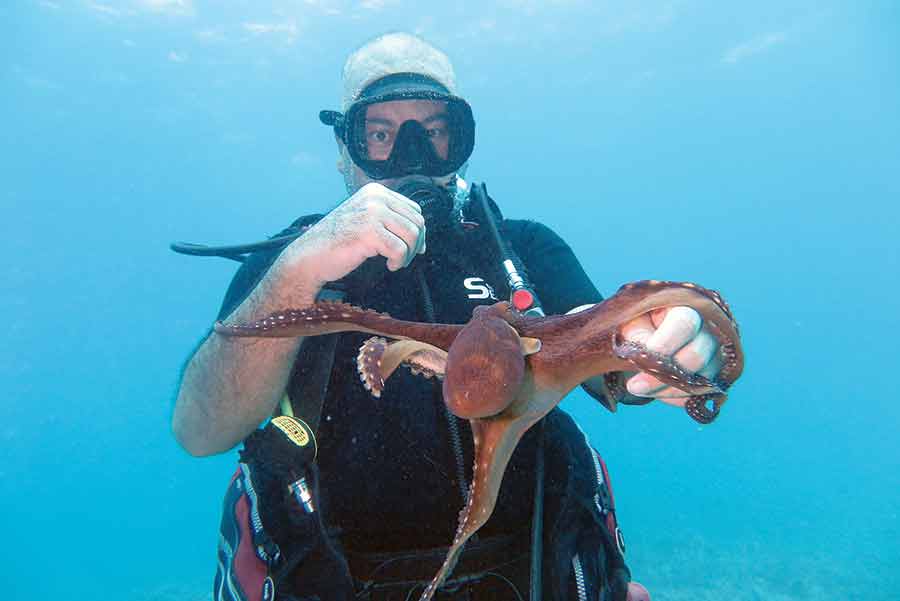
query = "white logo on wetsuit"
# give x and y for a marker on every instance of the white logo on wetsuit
(480, 289)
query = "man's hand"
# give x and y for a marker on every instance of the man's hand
(679, 333)
(230, 387)
(374, 221)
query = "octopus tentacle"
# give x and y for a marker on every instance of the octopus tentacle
(333, 317)
(665, 369)
(378, 359)
(495, 440)
(368, 364)
(584, 336)
(696, 407)
(729, 355)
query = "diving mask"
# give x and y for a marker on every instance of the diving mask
(406, 124)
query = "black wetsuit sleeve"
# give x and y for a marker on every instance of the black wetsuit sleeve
(556, 274)
(255, 267)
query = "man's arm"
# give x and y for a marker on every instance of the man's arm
(230, 385)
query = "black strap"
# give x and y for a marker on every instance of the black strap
(240, 252)
(537, 520)
(235, 252)
(308, 384)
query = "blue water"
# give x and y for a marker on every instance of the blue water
(753, 149)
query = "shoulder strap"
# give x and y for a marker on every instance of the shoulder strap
(308, 384)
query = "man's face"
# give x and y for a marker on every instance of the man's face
(383, 121)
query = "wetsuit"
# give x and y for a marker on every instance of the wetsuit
(389, 468)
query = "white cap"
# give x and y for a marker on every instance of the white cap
(394, 53)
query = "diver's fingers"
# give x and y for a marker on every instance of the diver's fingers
(404, 201)
(676, 336)
(374, 197)
(674, 396)
(409, 210)
(403, 218)
(700, 356)
(658, 315)
(404, 206)
(678, 327)
(639, 329)
(394, 248)
(410, 232)
(696, 354)
(676, 400)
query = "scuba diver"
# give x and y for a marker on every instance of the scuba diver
(340, 495)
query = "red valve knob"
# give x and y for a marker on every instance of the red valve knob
(522, 299)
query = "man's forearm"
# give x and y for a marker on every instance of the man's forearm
(230, 385)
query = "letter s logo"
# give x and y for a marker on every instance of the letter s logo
(480, 289)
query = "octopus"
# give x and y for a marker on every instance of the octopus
(503, 371)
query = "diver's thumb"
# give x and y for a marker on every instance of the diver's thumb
(637, 592)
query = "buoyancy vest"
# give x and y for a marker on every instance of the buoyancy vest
(584, 546)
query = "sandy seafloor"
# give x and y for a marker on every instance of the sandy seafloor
(752, 149)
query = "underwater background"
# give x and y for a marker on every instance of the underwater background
(750, 147)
